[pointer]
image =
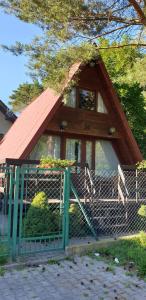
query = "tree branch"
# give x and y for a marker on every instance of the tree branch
(104, 17)
(122, 46)
(139, 11)
(111, 31)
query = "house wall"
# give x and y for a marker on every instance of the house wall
(4, 124)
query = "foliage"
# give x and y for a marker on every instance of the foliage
(49, 162)
(3, 254)
(25, 93)
(77, 223)
(142, 237)
(127, 251)
(40, 220)
(67, 20)
(141, 165)
(133, 103)
(119, 61)
(142, 211)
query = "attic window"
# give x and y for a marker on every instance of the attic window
(101, 106)
(70, 98)
(87, 99)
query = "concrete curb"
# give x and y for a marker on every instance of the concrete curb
(71, 251)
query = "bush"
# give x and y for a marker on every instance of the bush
(40, 220)
(77, 223)
(141, 165)
(142, 211)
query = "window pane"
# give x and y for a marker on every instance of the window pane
(87, 99)
(101, 107)
(89, 153)
(73, 149)
(105, 156)
(46, 146)
(70, 98)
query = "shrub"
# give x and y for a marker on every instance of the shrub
(141, 165)
(40, 220)
(142, 211)
(77, 223)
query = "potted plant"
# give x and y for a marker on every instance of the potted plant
(51, 163)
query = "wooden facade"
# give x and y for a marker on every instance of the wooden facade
(86, 125)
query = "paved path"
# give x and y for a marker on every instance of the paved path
(85, 278)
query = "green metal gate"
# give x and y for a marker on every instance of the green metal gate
(6, 210)
(35, 207)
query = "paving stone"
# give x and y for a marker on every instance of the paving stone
(87, 279)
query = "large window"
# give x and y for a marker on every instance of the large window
(73, 149)
(46, 146)
(87, 99)
(105, 156)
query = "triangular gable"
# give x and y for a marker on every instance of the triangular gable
(24, 134)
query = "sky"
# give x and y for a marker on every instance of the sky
(13, 69)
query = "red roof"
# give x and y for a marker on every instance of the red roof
(31, 123)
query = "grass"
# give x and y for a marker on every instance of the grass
(52, 262)
(131, 253)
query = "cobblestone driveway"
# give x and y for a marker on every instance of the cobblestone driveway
(83, 278)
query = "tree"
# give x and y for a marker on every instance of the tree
(133, 102)
(25, 93)
(68, 20)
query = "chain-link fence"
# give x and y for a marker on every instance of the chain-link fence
(111, 200)
(41, 209)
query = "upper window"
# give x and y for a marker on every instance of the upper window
(70, 98)
(100, 105)
(87, 99)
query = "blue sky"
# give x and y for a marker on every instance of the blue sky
(13, 68)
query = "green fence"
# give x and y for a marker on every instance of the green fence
(34, 209)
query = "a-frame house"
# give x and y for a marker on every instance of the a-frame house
(87, 125)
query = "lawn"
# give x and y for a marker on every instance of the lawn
(131, 254)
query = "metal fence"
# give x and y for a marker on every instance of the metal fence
(47, 209)
(111, 200)
(34, 209)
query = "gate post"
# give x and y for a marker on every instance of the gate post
(15, 212)
(66, 196)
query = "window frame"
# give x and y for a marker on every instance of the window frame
(78, 98)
